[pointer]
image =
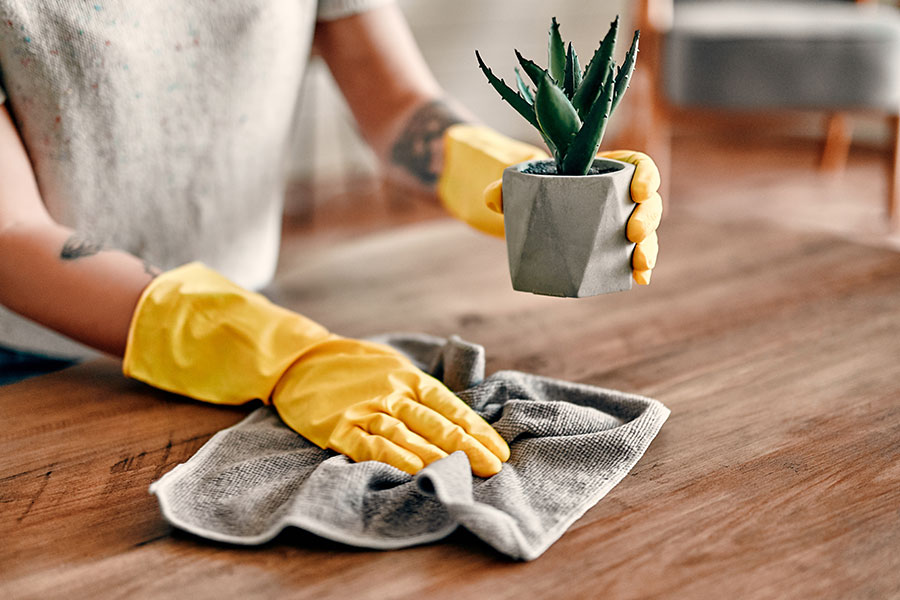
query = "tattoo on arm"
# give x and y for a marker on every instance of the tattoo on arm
(418, 149)
(79, 247)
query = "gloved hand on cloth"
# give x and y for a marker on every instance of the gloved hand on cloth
(470, 187)
(197, 334)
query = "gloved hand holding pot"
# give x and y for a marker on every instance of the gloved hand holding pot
(579, 223)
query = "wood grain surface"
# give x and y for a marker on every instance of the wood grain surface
(777, 475)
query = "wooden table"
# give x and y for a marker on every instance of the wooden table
(777, 475)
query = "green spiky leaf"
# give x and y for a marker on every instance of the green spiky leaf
(556, 54)
(516, 101)
(571, 107)
(507, 93)
(624, 74)
(535, 73)
(556, 115)
(523, 89)
(571, 73)
(581, 152)
(596, 72)
(576, 69)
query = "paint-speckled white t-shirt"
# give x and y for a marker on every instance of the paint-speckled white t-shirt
(159, 127)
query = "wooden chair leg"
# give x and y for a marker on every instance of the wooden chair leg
(661, 148)
(838, 135)
(893, 200)
(648, 128)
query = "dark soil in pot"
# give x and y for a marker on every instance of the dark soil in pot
(548, 167)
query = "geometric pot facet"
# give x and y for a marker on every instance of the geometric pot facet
(565, 234)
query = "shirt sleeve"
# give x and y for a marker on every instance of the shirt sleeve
(329, 10)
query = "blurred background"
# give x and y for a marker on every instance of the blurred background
(780, 111)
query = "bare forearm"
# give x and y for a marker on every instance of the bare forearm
(70, 284)
(401, 110)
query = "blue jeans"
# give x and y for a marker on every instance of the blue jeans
(16, 365)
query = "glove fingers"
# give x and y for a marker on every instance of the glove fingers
(642, 277)
(493, 196)
(645, 252)
(360, 446)
(396, 431)
(645, 219)
(448, 436)
(448, 404)
(646, 175)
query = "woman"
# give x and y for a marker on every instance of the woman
(136, 137)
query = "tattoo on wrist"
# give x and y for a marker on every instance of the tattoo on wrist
(418, 149)
(79, 247)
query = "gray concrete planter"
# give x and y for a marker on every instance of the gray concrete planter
(565, 235)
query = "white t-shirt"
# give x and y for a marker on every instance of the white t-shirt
(159, 127)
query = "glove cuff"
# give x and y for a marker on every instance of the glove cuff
(196, 333)
(474, 157)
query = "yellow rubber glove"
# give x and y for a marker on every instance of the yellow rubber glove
(474, 157)
(644, 220)
(471, 181)
(197, 334)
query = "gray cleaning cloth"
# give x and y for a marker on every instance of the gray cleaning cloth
(570, 443)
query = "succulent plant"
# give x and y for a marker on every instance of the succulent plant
(570, 108)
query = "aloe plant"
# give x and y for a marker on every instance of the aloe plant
(568, 106)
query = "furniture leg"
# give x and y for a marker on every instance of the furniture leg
(893, 206)
(838, 135)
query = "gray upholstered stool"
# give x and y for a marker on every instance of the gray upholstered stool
(829, 55)
(822, 55)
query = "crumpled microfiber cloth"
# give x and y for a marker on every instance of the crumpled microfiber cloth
(570, 443)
